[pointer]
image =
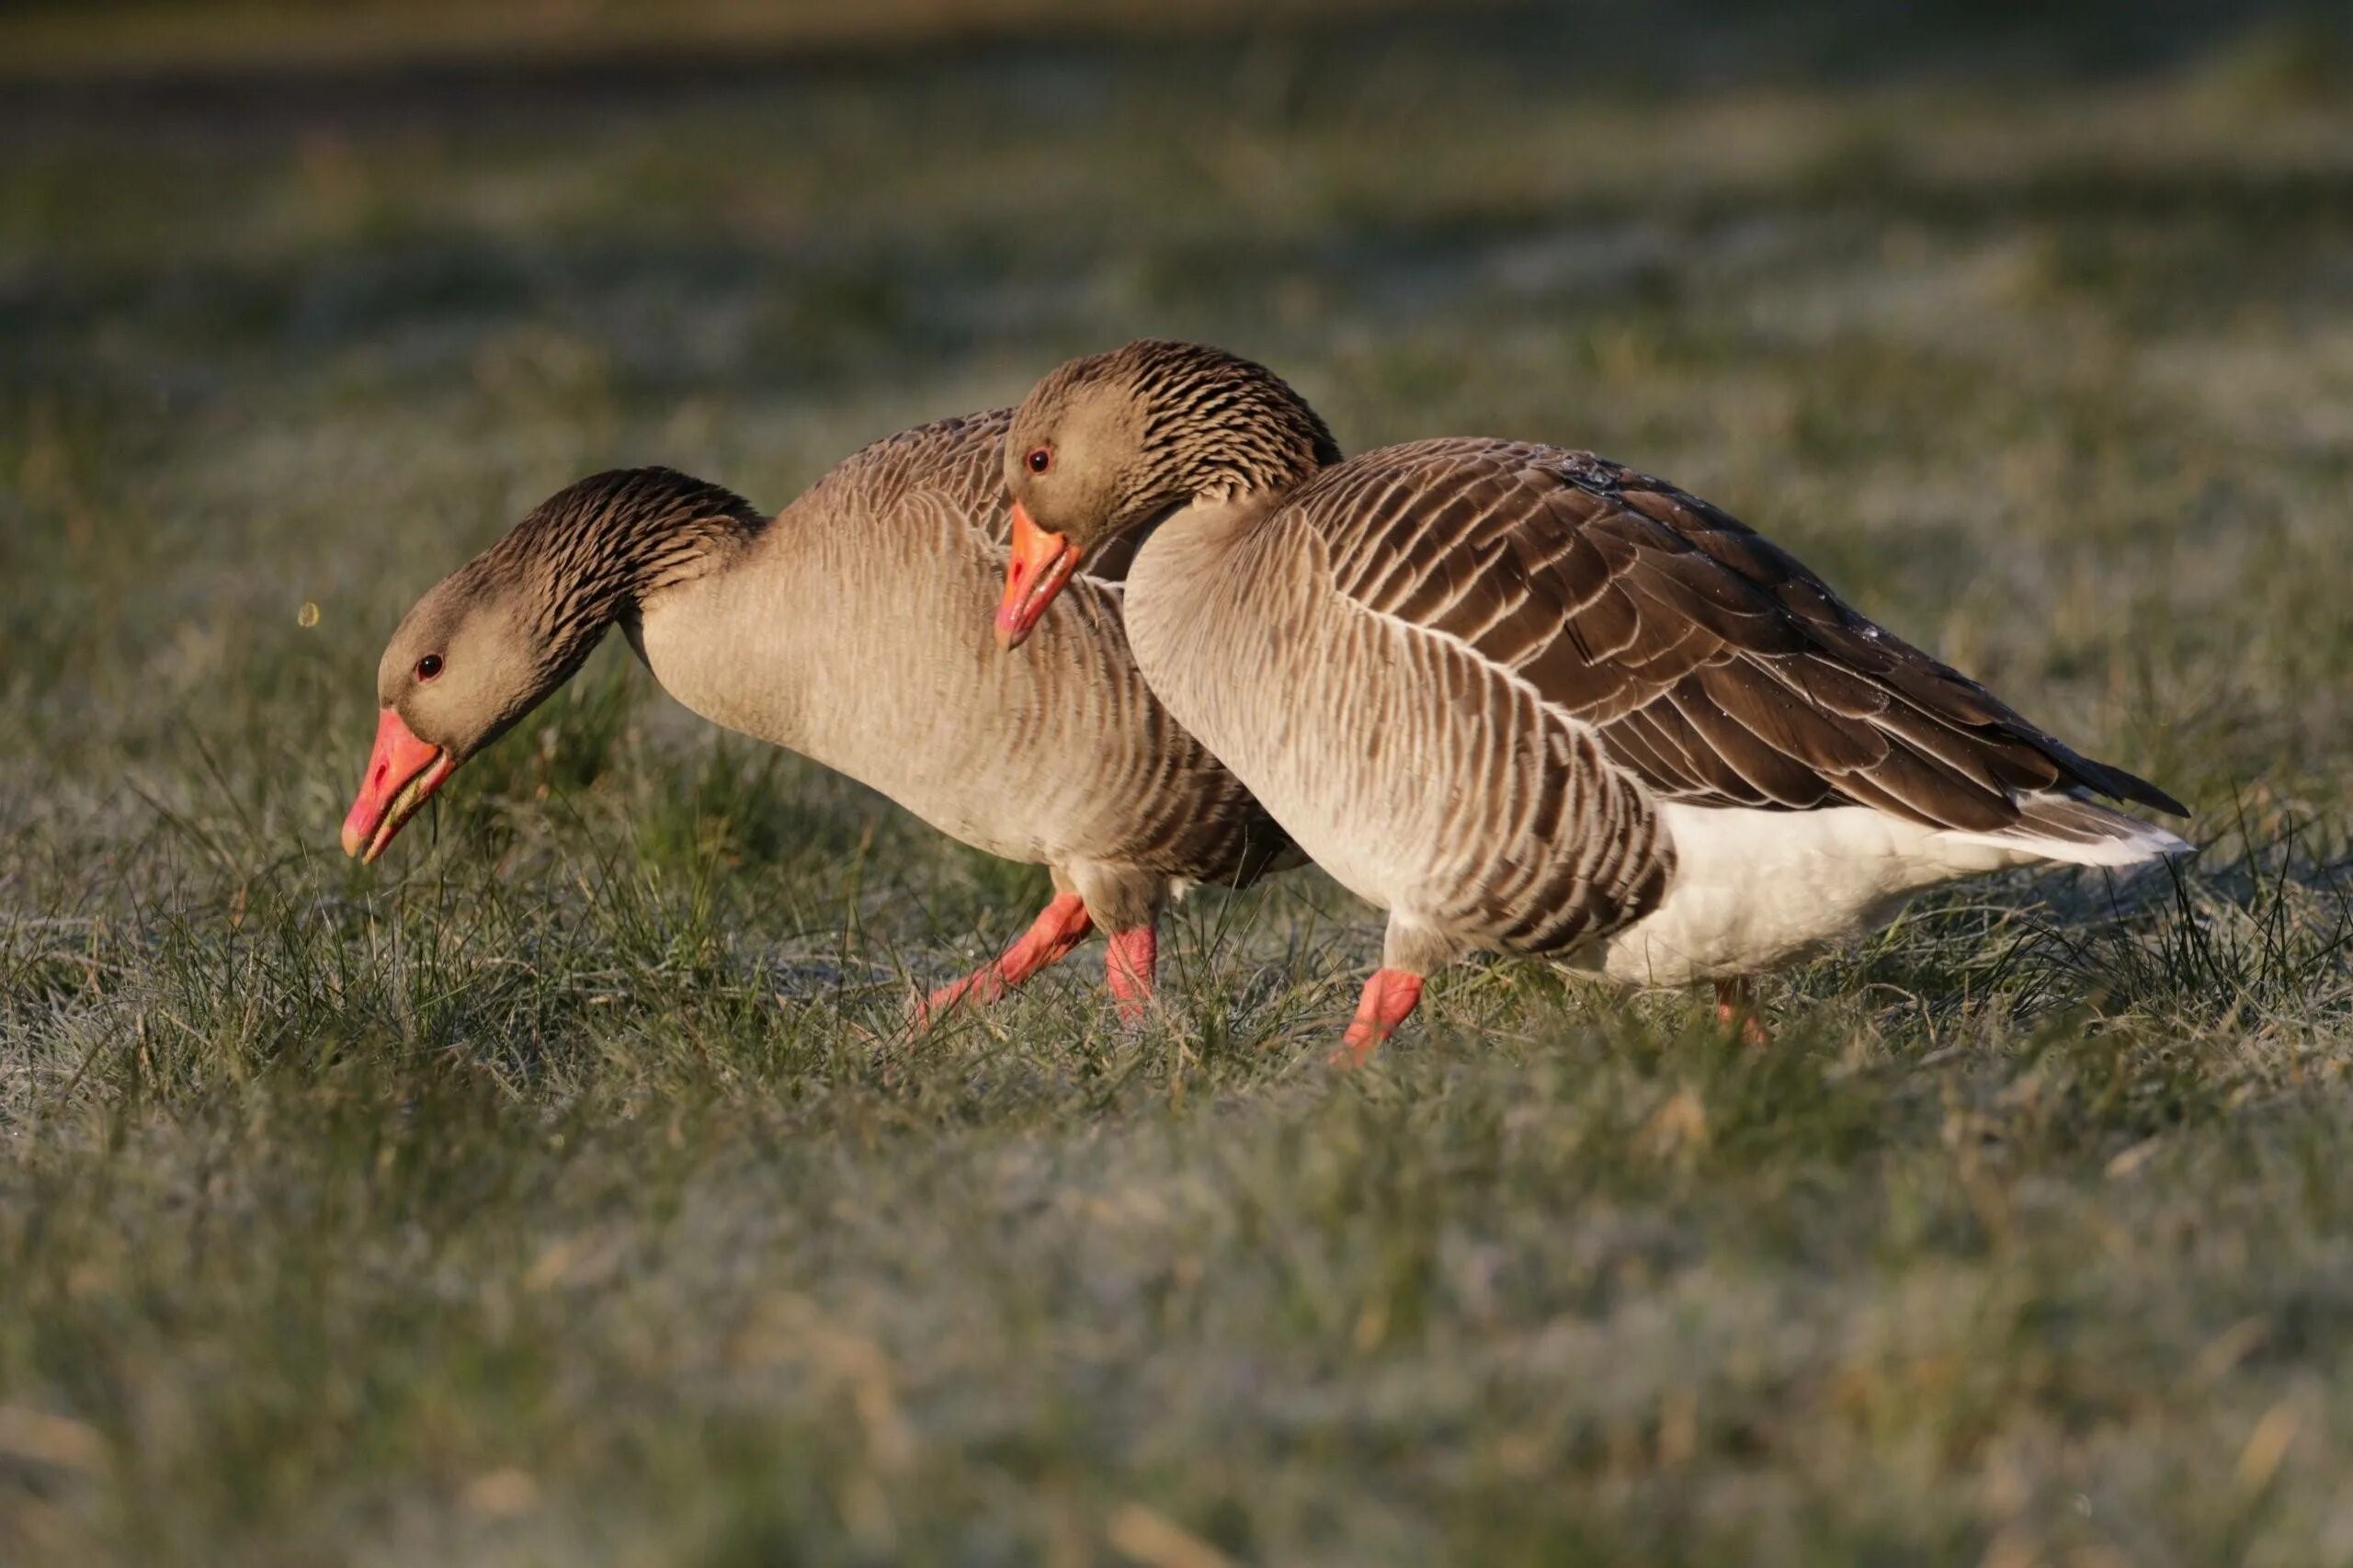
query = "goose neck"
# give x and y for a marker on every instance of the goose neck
(602, 549)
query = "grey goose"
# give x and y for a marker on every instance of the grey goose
(851, 629)
(1525, 699)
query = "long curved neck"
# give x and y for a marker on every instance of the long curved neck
(801, 646)
(1221, 439)
(1220, 465)
(1222, 474)
(594, 554)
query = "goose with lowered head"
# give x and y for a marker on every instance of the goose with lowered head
(1525, 699)
(851, 629)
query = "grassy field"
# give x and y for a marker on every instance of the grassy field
(566, 1188)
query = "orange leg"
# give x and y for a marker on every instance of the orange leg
(1388, 997)
(1128, 969)
(1063, 925)
(1736, 1008)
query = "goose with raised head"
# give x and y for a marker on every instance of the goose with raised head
(1525, 699)
(852, 629)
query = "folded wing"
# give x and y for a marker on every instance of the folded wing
(1712, 663)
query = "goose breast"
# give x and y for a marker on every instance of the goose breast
(1422, 777)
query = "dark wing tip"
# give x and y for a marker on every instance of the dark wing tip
(2123, 786)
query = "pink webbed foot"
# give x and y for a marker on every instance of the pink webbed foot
(1389, 996)
(1736, 1011)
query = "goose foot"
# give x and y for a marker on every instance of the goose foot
(1128, 969)
(1736, 1010)
(1388, 997)
(1062, 925)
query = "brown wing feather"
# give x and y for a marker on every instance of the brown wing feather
(1712, 663)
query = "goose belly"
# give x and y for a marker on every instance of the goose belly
(1754, 890)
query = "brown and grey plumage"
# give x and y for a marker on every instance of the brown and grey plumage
(849, 629)
(1526, 698)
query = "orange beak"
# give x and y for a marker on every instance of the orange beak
(1041, 563)
(403, 773)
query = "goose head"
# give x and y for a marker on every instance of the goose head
(1115, 442)
(466, 663)
(490, 642)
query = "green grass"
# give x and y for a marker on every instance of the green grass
(567, 1187)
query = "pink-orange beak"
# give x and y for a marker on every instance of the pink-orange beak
(403, 773)
(1041, 563)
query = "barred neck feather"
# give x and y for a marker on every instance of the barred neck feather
(593, 553)
(1216, 427)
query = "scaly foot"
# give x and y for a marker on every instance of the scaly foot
(1129, 970)
(1388, 997)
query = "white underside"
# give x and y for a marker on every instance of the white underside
(1756, 889)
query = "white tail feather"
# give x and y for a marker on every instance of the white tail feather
(1754, 888)
(2076, 832)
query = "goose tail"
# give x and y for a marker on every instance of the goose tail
(2078, 831)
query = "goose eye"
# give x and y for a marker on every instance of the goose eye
(1039, 459)
(428, 666)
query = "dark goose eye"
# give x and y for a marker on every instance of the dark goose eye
(1039, 459)
(428, 666)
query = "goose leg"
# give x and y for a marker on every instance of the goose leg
(1128, 968)
(1408, 953)
(1126, 903)
(1062, 926)
(1388, 997)
(1736, 1009)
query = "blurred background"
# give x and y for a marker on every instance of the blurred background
(2027, 322)
(545, 1193)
